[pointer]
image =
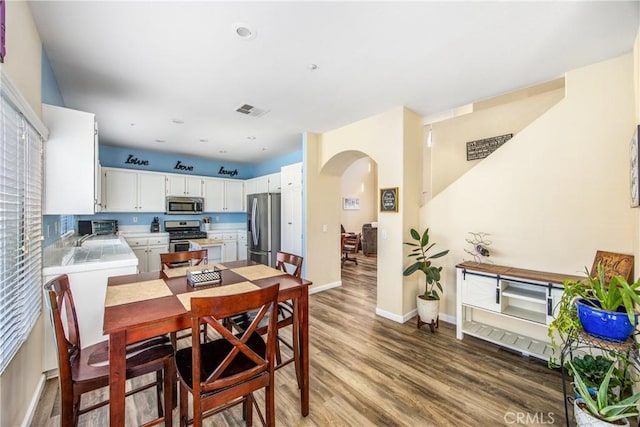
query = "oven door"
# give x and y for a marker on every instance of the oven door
(179, 246)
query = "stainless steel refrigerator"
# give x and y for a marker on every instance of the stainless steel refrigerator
(263, 227)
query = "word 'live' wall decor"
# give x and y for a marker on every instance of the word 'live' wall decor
(483, 147)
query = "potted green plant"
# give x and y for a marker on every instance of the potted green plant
(589, 410)
(427, 302)
(592, 370)
(593, 305)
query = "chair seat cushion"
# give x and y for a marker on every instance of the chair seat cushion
(285, 317)
(94, 359)
(213, 353)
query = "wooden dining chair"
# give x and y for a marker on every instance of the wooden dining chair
(86, 369)
(225, 372)
(350, 245)
(183, 259)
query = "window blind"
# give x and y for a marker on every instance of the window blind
(20, 228)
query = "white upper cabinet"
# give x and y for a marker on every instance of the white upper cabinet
(274, 183)
(180, 185)
(263, 184)
(72, 179)
(223, 195)
(291, 176)
(130, 191)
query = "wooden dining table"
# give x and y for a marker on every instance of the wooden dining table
(144, 305)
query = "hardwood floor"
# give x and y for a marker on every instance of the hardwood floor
(369, 371)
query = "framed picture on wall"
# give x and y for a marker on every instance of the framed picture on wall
(351, 203)
(634, 172)
(389, 199)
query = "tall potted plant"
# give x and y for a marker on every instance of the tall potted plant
(427, 302)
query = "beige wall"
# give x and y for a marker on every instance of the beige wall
(555, 193)
(450, 137)
(393, 140)
(636, 86)
(23, 61)
(360, 180)
(19, 383)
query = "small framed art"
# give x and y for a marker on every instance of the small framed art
(389, 199)
(351, 203)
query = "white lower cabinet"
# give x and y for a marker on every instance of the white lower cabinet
(508, 306)
(230, 244)
(148, 250)
(242, 245)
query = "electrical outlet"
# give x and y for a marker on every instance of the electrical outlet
(135, 219)
(324, 228)
(217, 218)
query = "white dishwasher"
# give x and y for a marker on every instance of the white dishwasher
(88, 268)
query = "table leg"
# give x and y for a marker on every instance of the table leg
(303, 316)
(117, 378)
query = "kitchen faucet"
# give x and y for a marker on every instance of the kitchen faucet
(81, 240)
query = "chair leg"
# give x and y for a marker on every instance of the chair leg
(184, 406)
(270, 404)
(169, 387)
(248, 410)
(159, 382)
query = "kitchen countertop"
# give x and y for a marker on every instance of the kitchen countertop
(96, 253)
(206, 242)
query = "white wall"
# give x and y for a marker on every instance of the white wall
(555, 193)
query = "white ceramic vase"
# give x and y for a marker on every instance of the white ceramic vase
(585, 419)
(428, 309)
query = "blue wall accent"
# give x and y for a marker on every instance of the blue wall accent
(50, 90)
(274, 165)
(146, 218)
(116, 157)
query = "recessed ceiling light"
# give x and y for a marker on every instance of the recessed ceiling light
(252, 138)
(161, 141)
(244, 31)
(264, 148)
(222, 151)
(204, 140)
(132, 124)
(178, 121)
(312, 67)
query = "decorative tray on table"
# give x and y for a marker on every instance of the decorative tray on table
(204, 277)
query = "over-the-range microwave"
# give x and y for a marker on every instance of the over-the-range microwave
(184, 205)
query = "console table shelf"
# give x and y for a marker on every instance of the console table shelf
(508, 306)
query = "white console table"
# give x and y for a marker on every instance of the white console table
(508, 306)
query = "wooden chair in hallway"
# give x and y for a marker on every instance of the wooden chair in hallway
(82, 370)
(350, 246)
(225, 372)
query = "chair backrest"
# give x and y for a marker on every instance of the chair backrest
(62, 311)
(285, 258)
(212, 311)
(178, 259)
(350, 243)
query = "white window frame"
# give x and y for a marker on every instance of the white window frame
(22, 136)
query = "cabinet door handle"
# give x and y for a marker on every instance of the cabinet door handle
(549, 307)
(497, 295)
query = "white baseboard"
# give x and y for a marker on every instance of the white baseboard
(325, 287)
(31, 410)
(403, 319)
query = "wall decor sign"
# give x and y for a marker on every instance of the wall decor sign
(483, 147)
(224, 171)
(179, 166)
(389, 199)
(133, 160)
(614, 265)
(634, 169)
(351, 203)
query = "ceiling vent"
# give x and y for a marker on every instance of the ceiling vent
(250, 110)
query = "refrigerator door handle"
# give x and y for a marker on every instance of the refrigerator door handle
(254, 221)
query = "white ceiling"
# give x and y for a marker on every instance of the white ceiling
(141, 65)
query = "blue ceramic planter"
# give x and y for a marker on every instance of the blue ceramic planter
(609, 325)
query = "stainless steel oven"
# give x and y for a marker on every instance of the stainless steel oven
(180, 232)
